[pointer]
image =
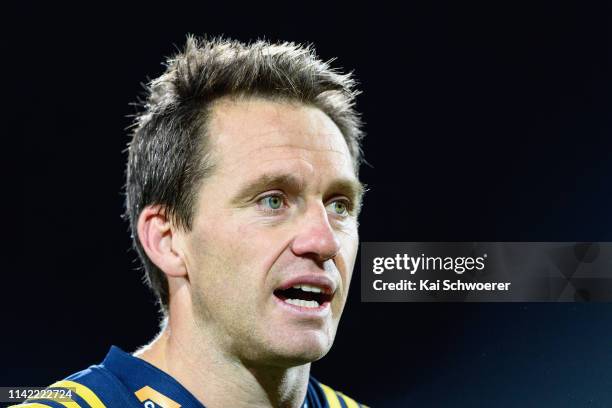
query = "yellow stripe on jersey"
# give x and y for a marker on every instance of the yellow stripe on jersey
(148, 393)
(67, 404)
(82, 391)
(350, 403)
(331, 396)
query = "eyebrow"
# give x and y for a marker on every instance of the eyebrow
(350, 187)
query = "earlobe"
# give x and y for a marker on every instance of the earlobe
(156, 237)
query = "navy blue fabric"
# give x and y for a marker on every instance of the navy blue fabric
(135, 373)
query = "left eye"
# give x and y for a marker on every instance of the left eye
(339, 207)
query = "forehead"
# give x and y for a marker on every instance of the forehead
(243, 131)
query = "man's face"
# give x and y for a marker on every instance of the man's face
(274, 238)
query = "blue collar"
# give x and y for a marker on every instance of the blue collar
(136, 374)
(148, 382)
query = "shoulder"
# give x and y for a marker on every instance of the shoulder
(334, 398)
(93, 387)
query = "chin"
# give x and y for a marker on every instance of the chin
(299, 350)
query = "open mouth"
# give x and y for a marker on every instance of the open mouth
(304, 296)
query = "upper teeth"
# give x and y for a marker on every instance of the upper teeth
(308, 288)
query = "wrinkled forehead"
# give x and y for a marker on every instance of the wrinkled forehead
(247, 129)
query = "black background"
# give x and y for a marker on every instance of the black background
(486, 121)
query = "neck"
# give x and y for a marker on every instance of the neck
(218, 380)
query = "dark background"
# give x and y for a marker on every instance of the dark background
(486, 121)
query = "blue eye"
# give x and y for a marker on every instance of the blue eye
(274, 202)
(339, 207)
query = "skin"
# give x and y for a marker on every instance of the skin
(281, 202)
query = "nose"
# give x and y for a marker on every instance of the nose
(316, 238)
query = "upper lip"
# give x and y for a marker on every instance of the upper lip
(320, 281)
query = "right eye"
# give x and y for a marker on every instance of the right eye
(272, 203)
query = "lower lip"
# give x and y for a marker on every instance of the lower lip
(320, 311)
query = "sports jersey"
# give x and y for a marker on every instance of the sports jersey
(125, 381)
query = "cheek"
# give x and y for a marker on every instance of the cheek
(346, 262)
(213, 264)
(350, 245)
(261, 245)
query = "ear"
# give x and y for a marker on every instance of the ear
(159, 241)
